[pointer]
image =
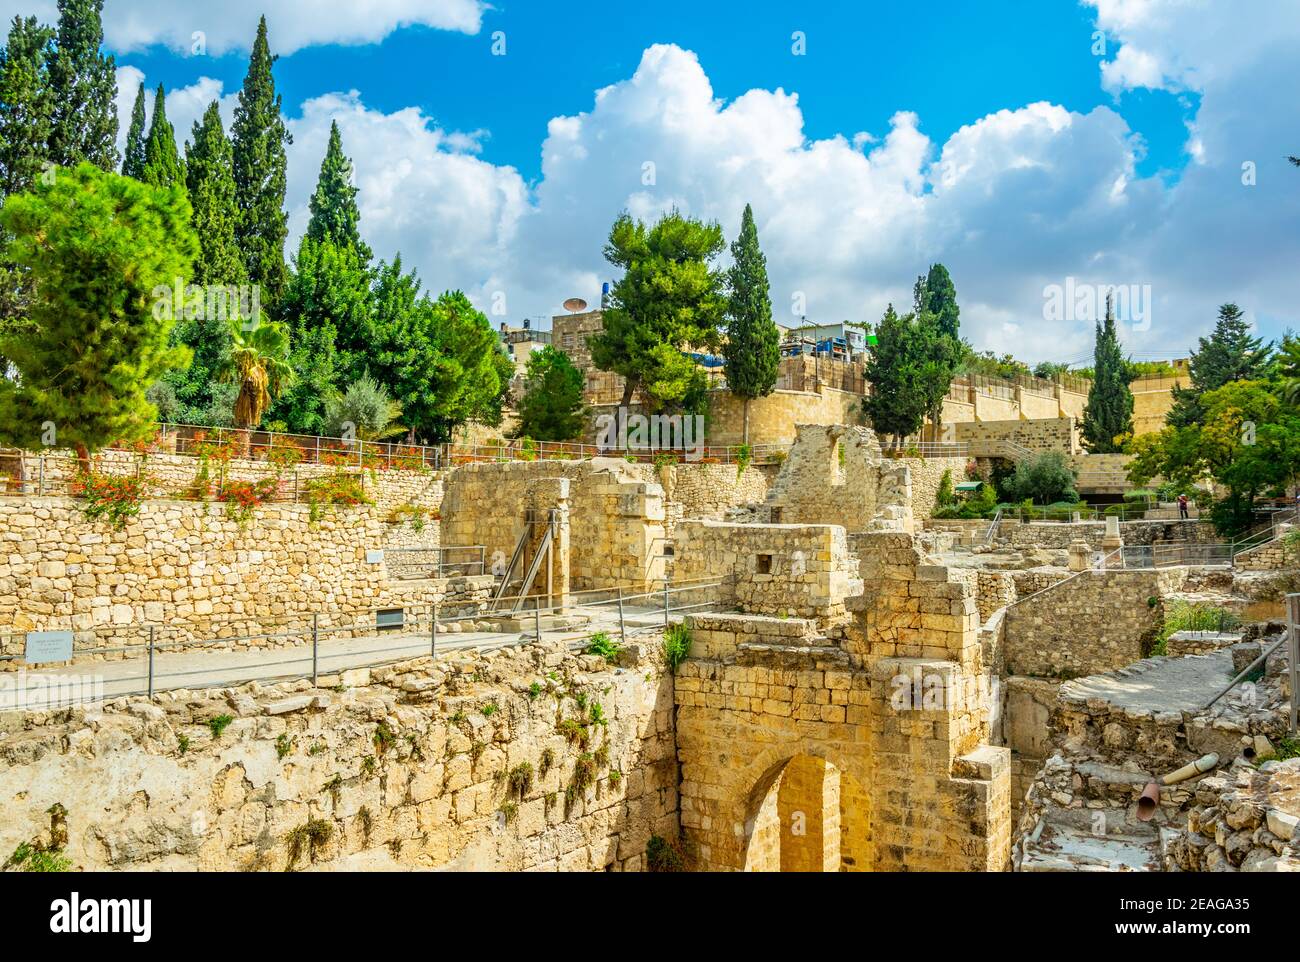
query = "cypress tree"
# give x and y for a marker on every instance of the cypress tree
(898, 401)
(753, 345)
(133, 159)
(84, 87)
(162, 161)
(260, 136)
(942, 301)
(1109, 413)
(334, 213)
(209, 176)
(25, 104)
(1228, 354)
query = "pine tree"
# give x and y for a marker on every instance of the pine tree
(25, 104)
(934, 307)
(330, 285)
(1228, 354)
(753, 345)
(133, 159)
(898, 401)
(1109, 412)
(162, 161)
(84, 87)
(259, 137)
(98, 341)
(552, 408)
(334, 213)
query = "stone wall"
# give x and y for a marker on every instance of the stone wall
(1152, 401)
(192, 571)
(617, 518)
(797, 571)
(708, 491)
(1049, 433)
(1244, 819)
(1061, 534)
(775, 419)
(1097, 621)
(400, 768)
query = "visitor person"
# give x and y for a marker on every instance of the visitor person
(1182, 506)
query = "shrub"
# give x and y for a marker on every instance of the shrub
(241, 497)
(1045, 478)
(219, 724)
(662, 855)
(601, 644)
(1192, 616)
(945, 495)
(677, 646)
(337, 488)
(114, 498)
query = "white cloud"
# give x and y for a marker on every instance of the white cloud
(231, 24)
(185, 105)
(1012, 202)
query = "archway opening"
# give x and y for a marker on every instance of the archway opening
(806, 815)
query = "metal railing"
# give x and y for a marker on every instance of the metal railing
(295, 650)
(409, 564)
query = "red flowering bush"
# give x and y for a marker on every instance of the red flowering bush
(114, 498)
(241, 497)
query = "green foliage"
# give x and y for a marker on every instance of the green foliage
(83, 86)
(1044, 478)
(1192, 616)
(260, 136)
(1108, 417)
(334, 213)
(662, 855)
(162, 161)
(990, 365)
(945, 496)
(219, 724)
(601, 644)
(110, 497)
(283, 745)
(941, 301)
(133, 159)
(367, 408)
(210, 180)
(897, 371)
(28, 857)
(330, 285)
(303, 406)
(982, 504)
(676, 646)
(259, 365)
(552, 407)
(520, 779)
(469, 374)
(668, 300)
(25, 104)
(98, 341)
(311, 836)
(752, 347)
(1229, 354)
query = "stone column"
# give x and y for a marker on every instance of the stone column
(1111, 543)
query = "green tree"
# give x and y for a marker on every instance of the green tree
(334, 213)
(260, 136)
(552, 408)
(331, 284)
(209, 177)
(470, 375)
(83, 84)
(1045, 478)
(898, 401)
(25, 115)
(99, 340)
(162, 161)
(367, 409)
(25, 104)
(259, 365)
(133, 159)
(304, 406)
(668, 300)
(1228, 354)
(941, 301)
(1108, 416)
(752, 347)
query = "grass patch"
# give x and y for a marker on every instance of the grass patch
(1188, 616)
(603, 645)
(219, 724)
(35, 858)
(311, 836)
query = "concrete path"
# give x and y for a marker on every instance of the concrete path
(1159, 684)
(40, 687)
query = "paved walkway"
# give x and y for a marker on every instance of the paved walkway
(1162, 684)
(41, 687)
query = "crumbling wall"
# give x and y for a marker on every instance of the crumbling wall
(461, 766)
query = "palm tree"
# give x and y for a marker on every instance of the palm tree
(259, 364)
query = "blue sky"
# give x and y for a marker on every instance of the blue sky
(996, 137)
(962, 61)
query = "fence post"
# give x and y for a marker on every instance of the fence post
(537, 618)
(433, 631)
(1293, 650)
(151, 631)
(622, 625)
(665, 601)
(315, 645)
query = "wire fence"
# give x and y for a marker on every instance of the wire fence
(323, 645)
